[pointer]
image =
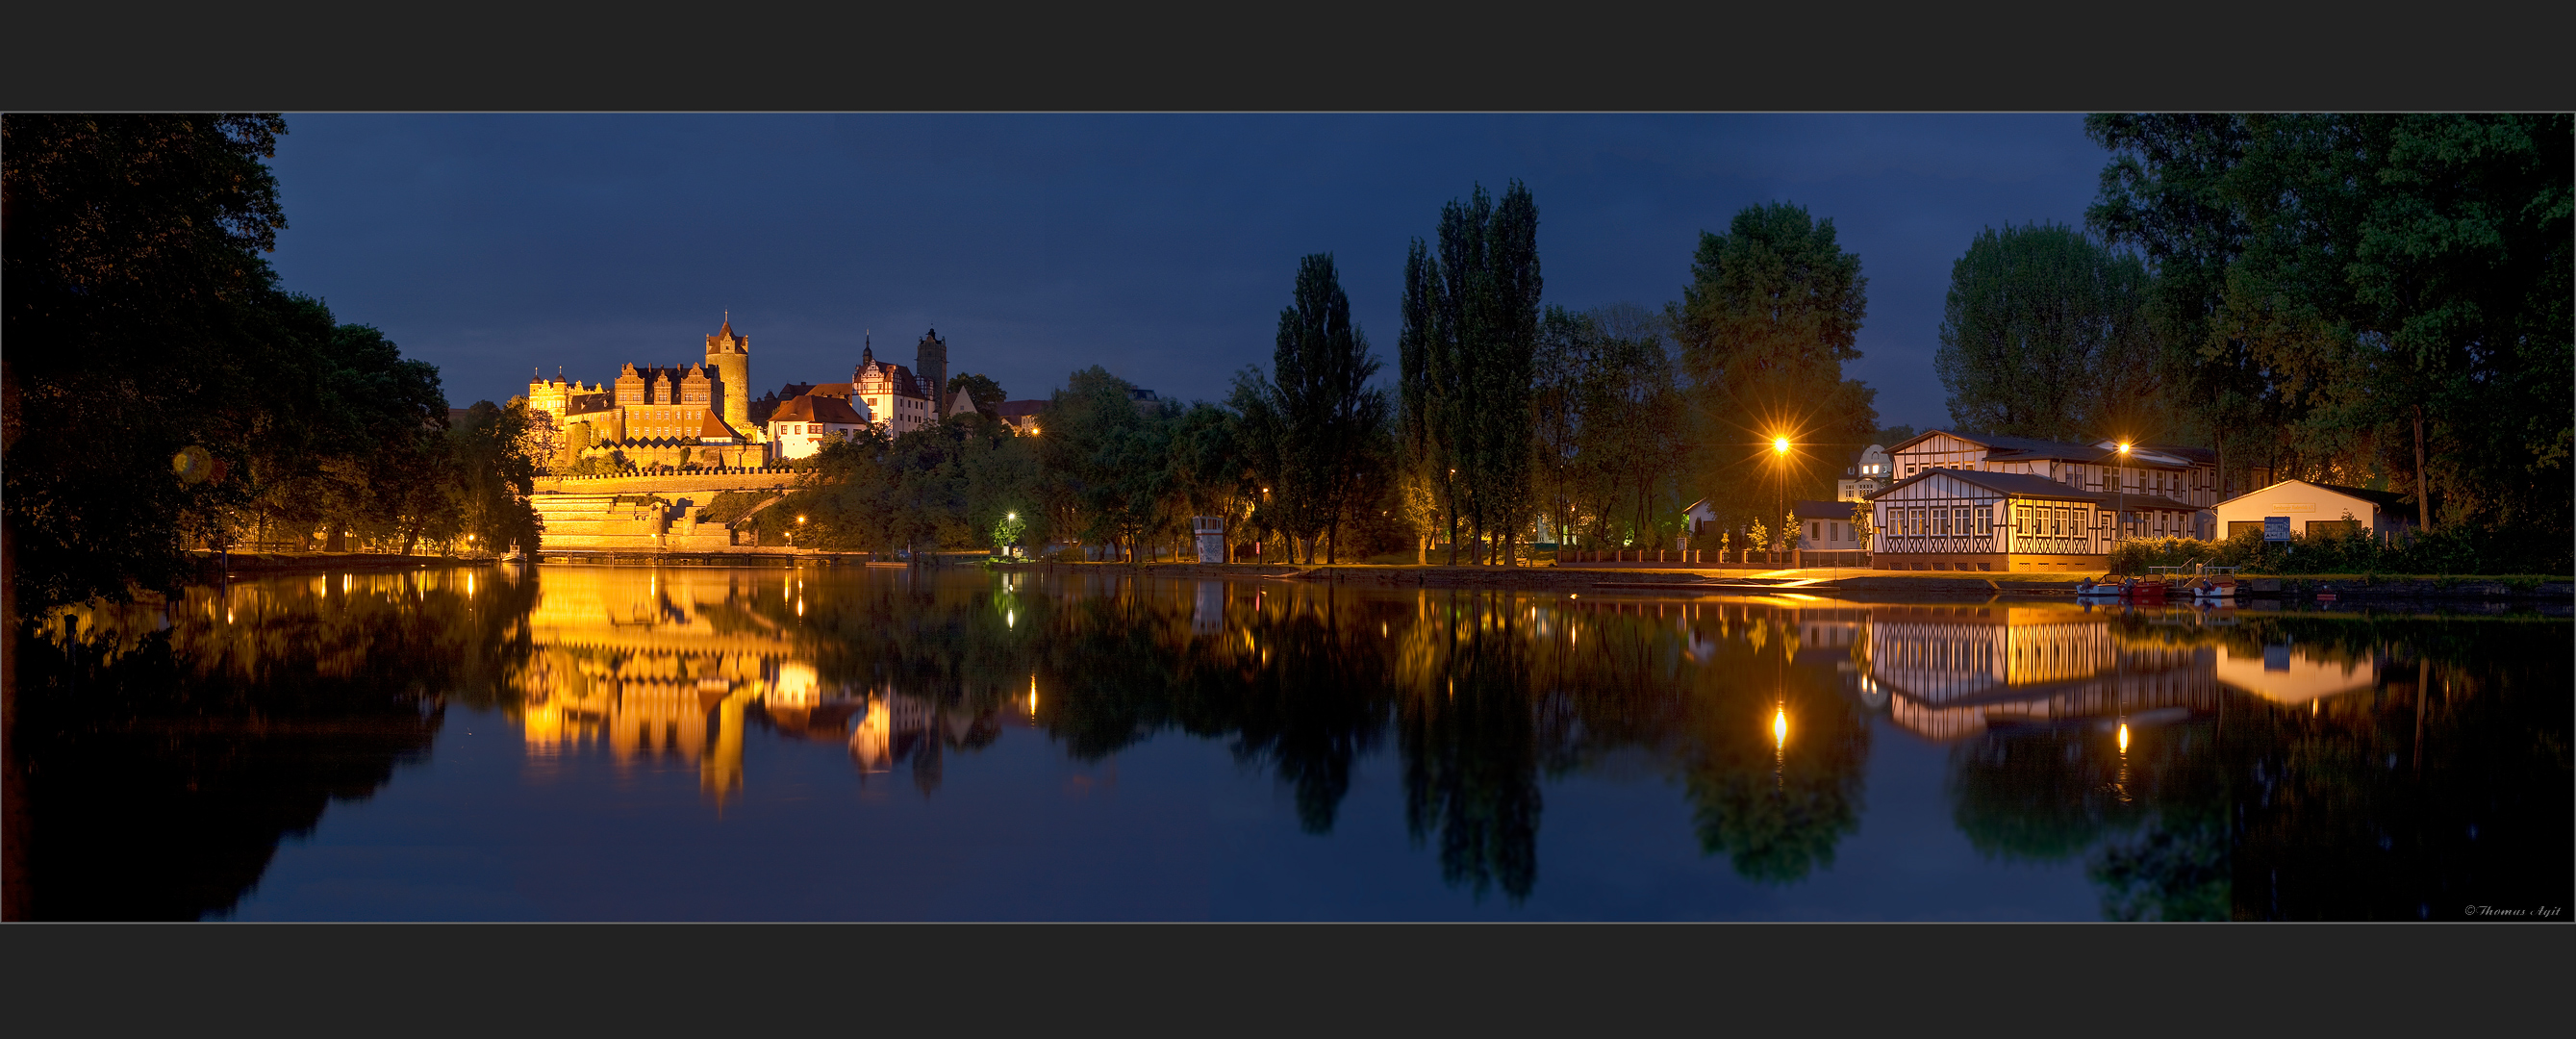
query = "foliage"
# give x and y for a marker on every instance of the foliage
(981, 389)
(130, 269)
(2449, 550)
(2352, 292)
(1104, 462)
(947, 485)
(1329, 418)
(1764, 329)
(1608, 421)
(1471, 317)
(133, 254)
(2047, 334)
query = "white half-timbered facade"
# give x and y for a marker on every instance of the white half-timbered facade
(2147, 471)
(1944, 519)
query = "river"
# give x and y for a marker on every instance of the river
(876, 743)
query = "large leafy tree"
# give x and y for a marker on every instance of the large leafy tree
(2165, 193)
(1608, 420)
(2047, 334)
(132, 249)
(2397, 286)
(143, 322)
(1771, 315)
(1471, 313)
(1213, 465)
(1105, 456)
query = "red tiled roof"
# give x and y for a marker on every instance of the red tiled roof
(810, 408)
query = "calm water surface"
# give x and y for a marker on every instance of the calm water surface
(579, 743)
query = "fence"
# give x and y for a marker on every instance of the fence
(1792, 558)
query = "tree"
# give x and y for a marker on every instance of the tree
(132, 246)
(1765, 326)
(1211, 467)
(1471, 337)
(1607, 419)
(981, 389)
(1105, 458)
(2392, 290)
(1427, 404)
(2046, 334)
(1328, 411)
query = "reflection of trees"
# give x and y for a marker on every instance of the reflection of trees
(2445, 783)
(157, 768)
(2337, 819)
(2153, 816)
(1776, 810)
(2042, 794)
(1470, 770)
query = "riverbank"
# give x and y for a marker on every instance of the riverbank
(1829, 581)
(263, 563)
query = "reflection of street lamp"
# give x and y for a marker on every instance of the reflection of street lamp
(2123, 784)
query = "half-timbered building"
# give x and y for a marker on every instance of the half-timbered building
(1961, 519)
(2147, 471)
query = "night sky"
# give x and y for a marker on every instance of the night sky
(1160, 247)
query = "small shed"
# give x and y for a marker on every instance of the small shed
(1826, 526)
(2318, 508)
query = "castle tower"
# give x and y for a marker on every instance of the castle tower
(931, 366)
(729, 364)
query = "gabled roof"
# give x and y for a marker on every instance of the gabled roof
(2194, 455)
(714, 428)
(2001, 448)
(811, 408)
(1819, 509)
(1996, 442)
(2383, 499)
(2026, 485)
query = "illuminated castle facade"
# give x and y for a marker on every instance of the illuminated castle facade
(702, 415)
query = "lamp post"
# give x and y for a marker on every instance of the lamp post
(2120, 488)
(1780, 492)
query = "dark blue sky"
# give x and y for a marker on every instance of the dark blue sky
(1160, 247)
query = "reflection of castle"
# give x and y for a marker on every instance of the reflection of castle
(1954, 671)
(655, 665)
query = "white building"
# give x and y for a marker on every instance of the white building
(1826, 526)
(1965, 519)
(797, 429)
(2163, 472)
(1866, 477)
(2313, 507)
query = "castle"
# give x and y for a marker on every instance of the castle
(703, 416)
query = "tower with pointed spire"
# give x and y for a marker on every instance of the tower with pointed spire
(728, 367)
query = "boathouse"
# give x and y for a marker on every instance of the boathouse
(1959, 519)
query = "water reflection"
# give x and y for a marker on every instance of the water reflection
(158, 752)
(2193, 764)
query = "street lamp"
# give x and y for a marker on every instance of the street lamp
(1780, 490)
(2120, 490)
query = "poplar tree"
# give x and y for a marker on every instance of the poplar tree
(1320, 372)
(1471, 331)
